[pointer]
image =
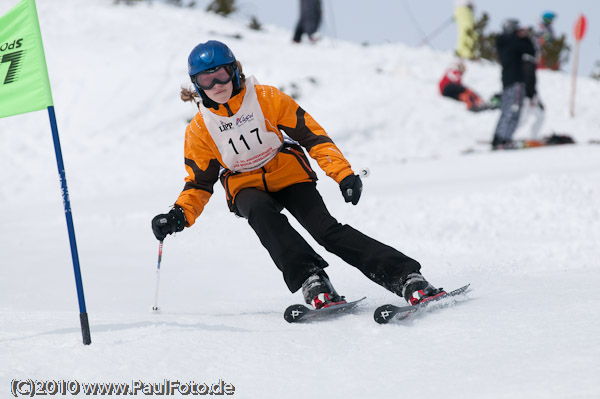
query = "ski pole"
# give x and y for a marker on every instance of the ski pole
(155, 308)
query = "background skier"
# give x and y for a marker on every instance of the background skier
(309, 21)
(512, 45)
(451, 86)
(533, 107)
(545, 40)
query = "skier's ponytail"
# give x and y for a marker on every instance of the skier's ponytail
(189, 94)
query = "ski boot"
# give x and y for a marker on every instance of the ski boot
(503, 144)
(417, 290)
(319, 292)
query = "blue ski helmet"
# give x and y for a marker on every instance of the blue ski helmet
(548, 17)
(210, 55)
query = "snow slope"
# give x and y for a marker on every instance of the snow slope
(522, 227)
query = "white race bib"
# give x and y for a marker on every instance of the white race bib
(243, 140)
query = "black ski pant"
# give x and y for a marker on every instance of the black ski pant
(295, 257)
(453, 90)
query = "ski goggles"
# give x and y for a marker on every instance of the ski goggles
(206, 80)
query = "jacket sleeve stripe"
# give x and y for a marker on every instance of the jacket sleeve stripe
(203, 179)
(302, 133)
(196, 186)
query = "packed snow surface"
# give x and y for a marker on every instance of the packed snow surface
(523, 227)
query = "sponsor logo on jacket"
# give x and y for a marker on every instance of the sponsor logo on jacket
(243, 119)
(225, 126)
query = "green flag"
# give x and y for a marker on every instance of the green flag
(24, 83)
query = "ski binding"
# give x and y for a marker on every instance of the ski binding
(300, 313)
(386, 313)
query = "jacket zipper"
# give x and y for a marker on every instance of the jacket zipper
(229, 113)
(264, 179)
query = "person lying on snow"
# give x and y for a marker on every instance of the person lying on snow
(238, 137)
(451, 86)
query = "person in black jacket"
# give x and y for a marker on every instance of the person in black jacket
(514, 47)
(310, 19)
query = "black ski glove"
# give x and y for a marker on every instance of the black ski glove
(168, 223)
(351, 188)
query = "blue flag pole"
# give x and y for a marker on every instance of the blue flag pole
(83, 317)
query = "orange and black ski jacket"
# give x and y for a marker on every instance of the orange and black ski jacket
(203, 161)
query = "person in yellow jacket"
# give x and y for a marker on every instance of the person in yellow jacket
(237, 136)
(467, 36)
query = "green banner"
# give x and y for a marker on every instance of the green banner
(24, 83)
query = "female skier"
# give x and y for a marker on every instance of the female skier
(236, 137)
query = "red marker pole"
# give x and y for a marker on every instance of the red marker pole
(579, 31)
